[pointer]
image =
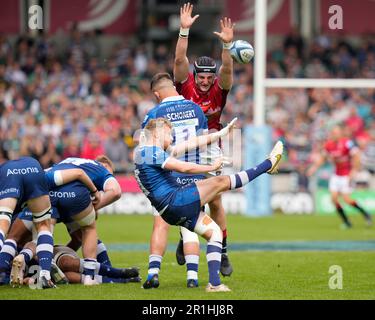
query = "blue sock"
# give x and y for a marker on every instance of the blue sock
(214, 261)
(89, 266)
(44, 250)
(8, 252)
(242, 178)
(102, 254)
(2, 237)
(110, 272)
(154, 265)
(114, 280)
(28, 255)
(192, 262)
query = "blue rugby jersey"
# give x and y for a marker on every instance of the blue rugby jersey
(187, 118)
(95, 170)
(156, 183)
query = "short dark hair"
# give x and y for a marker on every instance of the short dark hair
(157, 78)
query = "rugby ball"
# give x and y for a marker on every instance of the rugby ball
(242, 51)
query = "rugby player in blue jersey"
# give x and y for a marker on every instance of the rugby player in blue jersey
(73, 169)
(181, 205)
(100, 171)
(19, 233)
(23, 182)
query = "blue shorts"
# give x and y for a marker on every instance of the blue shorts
(22, 179)
(184, 207)
(70, 200)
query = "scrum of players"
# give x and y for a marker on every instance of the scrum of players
(32, 201)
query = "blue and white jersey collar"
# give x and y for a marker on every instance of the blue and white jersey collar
(174, 98)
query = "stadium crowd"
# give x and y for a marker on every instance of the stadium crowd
(58, 103)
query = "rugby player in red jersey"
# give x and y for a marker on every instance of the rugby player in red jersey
(210, 92)
(345, 157)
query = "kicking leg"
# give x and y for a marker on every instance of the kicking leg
(210, 188)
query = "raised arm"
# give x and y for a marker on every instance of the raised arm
(181, 62)
(226, 69)
(200, 141)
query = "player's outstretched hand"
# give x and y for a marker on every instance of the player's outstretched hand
(227, 30)
(186, 20)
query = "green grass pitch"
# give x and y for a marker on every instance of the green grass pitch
(294, 272)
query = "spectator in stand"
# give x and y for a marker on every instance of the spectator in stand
(116, 149)
(71, 148)
(51, 90)
(92, 146)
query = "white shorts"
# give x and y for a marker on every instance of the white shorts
(340, 184)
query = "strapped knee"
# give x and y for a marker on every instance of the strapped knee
(6, 214)
(188, 236)
(206, 224)
(42, 216)
(86, 220)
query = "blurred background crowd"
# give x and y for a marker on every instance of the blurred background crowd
(60, 102)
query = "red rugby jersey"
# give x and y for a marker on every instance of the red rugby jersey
(339, 151)
(212, 102)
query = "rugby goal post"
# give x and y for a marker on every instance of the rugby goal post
(258, 135)
(261, 83)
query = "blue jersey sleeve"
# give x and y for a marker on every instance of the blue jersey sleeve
(151, 155)
(159, 157)
(49, 178)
